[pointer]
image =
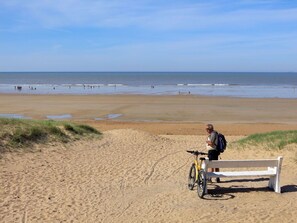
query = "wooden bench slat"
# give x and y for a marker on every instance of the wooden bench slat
(242, 163)
(242, 174)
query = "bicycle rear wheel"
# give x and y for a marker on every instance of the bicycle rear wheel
(201, 183)
(192, 177)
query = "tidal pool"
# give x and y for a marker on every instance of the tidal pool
(64, 116)
(109, 116)
(18, 116)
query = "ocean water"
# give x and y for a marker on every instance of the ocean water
(232, 84)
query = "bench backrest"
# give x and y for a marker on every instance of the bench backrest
(243, 163)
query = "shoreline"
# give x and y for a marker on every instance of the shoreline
(142, 94)
(230, 84)
(207, 90)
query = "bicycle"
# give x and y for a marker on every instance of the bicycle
(197, 174)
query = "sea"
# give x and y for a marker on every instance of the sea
(231, 84)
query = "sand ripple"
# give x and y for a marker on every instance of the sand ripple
(134, 176)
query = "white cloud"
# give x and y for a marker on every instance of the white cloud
(144, 14)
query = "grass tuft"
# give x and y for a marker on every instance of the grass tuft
(81, 129)
(271, 140)
(20, 133)
(71, 128)
(89, 129)
(26, 136)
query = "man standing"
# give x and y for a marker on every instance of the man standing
(211, 145)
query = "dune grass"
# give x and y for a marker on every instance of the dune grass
(21, 133)
(80, 129)
(270, 140)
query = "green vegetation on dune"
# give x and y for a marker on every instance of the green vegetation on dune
(20, 133)
(80, 129)
(271, 140)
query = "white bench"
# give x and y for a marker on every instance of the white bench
(273, 170)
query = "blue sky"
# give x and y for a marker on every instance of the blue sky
(144, 35)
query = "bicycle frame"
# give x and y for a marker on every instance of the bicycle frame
(199, 165)
(196, 166)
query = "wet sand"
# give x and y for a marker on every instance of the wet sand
(179, 108)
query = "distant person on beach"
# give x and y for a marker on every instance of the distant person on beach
(211, 144)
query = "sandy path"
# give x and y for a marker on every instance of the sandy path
(134, 176)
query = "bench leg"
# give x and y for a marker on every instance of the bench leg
(274, 183)
(271, 183)
(277, 184)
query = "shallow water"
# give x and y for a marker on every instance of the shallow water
(18, 116)
(255, 85)
(64, 116)
(109, 116)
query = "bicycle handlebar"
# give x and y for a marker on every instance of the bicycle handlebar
(196, 153)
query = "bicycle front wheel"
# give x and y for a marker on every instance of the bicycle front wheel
(192, 177)
(201, 183)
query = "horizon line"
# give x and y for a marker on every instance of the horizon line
(148, 71)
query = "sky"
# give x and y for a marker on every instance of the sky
(145, 35)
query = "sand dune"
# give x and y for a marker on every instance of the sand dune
(135, 176)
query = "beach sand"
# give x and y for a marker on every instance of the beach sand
(138, 171)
